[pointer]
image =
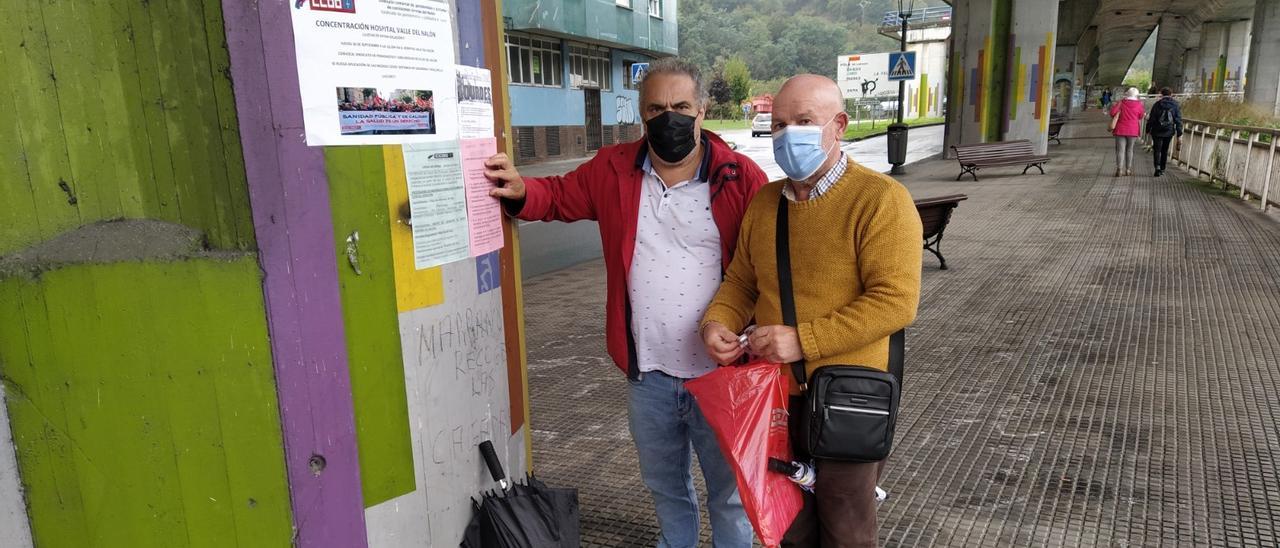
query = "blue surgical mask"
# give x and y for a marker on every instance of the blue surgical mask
(799, 151)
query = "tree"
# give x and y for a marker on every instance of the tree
(720, 91)
(739, 79)
(781, 38)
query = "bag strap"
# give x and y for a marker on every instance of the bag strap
(782, 243)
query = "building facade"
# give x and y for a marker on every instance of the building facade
(569, 65)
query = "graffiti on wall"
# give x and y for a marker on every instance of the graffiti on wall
(627, 113)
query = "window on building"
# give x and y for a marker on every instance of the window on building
(534, 61)
(589, 67)
(655, 8)
(624, 4)
(627, 82)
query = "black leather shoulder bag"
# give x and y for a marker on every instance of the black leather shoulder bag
(845, 412)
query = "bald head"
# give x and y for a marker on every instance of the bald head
(807, 99)
(813, 89)
(811, 100)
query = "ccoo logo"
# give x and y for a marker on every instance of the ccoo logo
(344, 6)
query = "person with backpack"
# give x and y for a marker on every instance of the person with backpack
(1164, 123)
(1126, 123)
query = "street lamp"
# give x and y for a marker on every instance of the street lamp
(897, 136)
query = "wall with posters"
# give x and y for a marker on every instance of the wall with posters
(430, 360)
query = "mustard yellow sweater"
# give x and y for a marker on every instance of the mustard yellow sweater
(855, 268)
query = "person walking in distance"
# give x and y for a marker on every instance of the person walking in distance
(1163, 125)
(1126, 123)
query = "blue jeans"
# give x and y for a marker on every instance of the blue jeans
(668, 427)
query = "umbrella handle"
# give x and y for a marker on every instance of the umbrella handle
(492, 463)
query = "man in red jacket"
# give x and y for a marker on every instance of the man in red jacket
(668, 206)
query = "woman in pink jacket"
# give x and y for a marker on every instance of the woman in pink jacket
(1128, 115)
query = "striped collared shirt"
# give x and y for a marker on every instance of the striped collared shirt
(825, 183)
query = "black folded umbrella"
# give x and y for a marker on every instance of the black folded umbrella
(528, 515)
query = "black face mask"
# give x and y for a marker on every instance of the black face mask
(671, 135)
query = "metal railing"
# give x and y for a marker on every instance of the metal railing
(1233, 96)
(921, 18)
(1201, 153)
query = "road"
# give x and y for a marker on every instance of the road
(921, 143)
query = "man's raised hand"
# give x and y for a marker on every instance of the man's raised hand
(498, 168)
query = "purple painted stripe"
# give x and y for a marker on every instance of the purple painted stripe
(1032, 89)
(470, 34)
(289, 194)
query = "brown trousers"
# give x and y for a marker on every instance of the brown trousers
(841, 512)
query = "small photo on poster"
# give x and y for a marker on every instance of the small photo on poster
(373, 111)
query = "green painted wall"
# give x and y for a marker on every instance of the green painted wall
(357, 180)
(126, 104)
(140, 388)
(143, 405)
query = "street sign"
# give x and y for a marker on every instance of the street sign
(638, 70)
(746, 107)
(864, 75)
(902, 65)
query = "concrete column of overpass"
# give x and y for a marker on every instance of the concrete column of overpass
(1173, 33)
(1262, 85)
(1064, 61)
(1237, 56)
(1002, 69)
(1190, 71)
(1212, 71)
(1086, 47)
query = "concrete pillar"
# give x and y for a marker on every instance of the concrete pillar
(972, 55)
(1064, 68)
(1171, 43)
(1262, 83)
(1237, 56)
(1002, 67)
(1030, 65)
(925, 93)
(1213, 56)
(1190, 71)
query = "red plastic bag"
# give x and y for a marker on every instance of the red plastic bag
(746, 406)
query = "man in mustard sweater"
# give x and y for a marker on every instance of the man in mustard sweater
(855, 263)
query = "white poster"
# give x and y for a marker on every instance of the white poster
(475, 103)
(437, 202)
(375, 71)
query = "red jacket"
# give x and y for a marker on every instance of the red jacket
(1130, 112)
(606, 189)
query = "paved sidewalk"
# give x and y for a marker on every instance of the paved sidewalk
(1100, 367)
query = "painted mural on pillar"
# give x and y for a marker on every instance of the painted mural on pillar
(219, 370)
(137, 365)
(1031, 83)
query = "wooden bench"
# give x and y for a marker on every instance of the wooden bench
(1004, 153)
(935, 213)
(1055, 128)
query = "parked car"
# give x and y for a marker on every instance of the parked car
(761, 124)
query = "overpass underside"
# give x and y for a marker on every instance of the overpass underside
(1016, 64)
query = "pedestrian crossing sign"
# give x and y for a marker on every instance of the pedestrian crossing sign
(902, 65)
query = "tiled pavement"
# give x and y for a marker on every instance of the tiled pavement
(1100, 367)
